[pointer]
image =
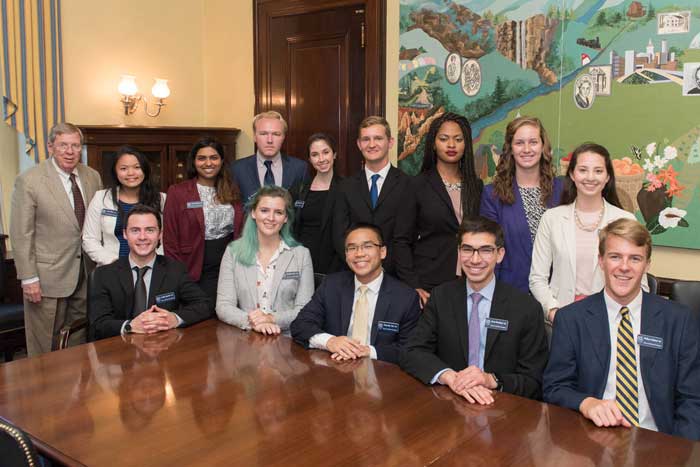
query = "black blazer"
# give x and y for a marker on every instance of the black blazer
(111, 295)
(330, 309)
(425, 237)
(354, 205)
(324, 256)
(440, 340)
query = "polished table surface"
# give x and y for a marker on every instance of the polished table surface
(214, 395)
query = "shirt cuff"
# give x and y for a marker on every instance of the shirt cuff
(319, 341)
(31, 280)
(123, 326)
(436, 378)
(372, 352)
(180, 321)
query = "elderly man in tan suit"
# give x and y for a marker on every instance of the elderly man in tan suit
(48, 210)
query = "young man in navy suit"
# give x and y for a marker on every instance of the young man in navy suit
(479, 335)
(623, 357)
(143, 293)
(363, 313)
(268, 166)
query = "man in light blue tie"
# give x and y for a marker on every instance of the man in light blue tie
(480, 335)
(373, 195)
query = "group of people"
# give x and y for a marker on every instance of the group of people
(458, 283)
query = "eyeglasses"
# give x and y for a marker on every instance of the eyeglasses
(63, 147)
(367, 246)
(485, 252)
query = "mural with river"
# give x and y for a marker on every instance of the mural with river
(622, 73)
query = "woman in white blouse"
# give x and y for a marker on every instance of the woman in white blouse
(266, 276)
(103, 239)
(567, 238)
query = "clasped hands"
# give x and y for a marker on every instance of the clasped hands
(603, 412)
(471, 383)
(264, 323)
(346, 348)
(154, 319)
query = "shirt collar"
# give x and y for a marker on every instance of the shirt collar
(382, 173)
(635, 306)
(133, 265)
(62, 172)
(276, 159)
(486, 292)
(373, 286)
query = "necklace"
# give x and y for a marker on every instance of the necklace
(591, 227)
(452, 186)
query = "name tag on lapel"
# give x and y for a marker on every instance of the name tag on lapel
(110, 212)
(496, 324)
(291, 275)
(165, 298)
(299, 203)
(194, 204)
(387, 326)
(652, 342)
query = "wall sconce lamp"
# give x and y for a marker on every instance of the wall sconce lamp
(131, 98)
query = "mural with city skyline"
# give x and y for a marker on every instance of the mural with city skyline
(622, 73)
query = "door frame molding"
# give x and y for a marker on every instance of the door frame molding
(375, 46)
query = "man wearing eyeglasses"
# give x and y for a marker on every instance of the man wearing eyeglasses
(48, 210)
(483, 335)
(363, 313)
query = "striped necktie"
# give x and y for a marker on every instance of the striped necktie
(626, 394)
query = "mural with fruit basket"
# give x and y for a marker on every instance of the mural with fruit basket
(522, 57)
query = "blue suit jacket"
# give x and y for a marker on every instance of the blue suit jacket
(245, 174)
(580, 359)
(515, 267)
(330, 310)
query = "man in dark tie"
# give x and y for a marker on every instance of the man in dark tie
(268, 166)
(623, 357)
(480, 335)
(363, 313)
(143, 293)
(48, 210)
(374, 195)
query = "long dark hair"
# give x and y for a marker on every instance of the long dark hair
(226, 190)
(505, 170)
(471, 183)
(148, 195)
(569, 193)
(326, 138)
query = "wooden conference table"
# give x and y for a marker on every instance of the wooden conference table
(214, 395)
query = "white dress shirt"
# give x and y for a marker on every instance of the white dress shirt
(276, 168)
(265, 278)
(380, 181)
(320, 340)
(646, 419)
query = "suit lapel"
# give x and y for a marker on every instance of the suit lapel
(652, 324)
(458, 303)
(55, 186)
(381, 309)
(194, 195)
(253, 172)
(157, 278)
(498, 311)
(568, 229)
(287, 175)
(599, 331)
(388, 185)
(438, 187)
(362, 188)
(520, 220)
(282, 264)
(347, 295)
(126, 280)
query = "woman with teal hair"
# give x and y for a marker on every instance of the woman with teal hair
(266, 276)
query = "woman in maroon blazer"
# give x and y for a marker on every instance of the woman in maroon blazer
(203, 215)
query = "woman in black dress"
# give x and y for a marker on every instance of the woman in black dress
(314, 204)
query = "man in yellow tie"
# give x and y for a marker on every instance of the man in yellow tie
(623, 357)
(363, 313)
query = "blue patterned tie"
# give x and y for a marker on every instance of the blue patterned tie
(269, 176)
(474, 330)
(373, 191)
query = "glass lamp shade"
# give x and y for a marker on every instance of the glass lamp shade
(160, 89)
(127, 86)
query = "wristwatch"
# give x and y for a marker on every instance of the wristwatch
(127, 327)
(499, 383)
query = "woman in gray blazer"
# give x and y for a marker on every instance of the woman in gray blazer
(266, 276)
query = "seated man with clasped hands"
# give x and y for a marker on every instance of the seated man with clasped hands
(143, 293)
(363, 313)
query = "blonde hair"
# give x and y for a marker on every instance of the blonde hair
(273, 114)
(374, 120)
(627, 229)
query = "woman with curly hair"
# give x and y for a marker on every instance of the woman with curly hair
(446, 191)
(523, 188)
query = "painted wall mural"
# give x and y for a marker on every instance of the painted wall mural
(622, 73)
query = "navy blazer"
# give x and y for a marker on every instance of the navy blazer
(580, 360)
(515, 267)
(330, 309)
(245, 174)
(111, 295)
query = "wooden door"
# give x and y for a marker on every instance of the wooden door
(320, 64)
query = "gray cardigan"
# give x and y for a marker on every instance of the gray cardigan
(292, 286)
